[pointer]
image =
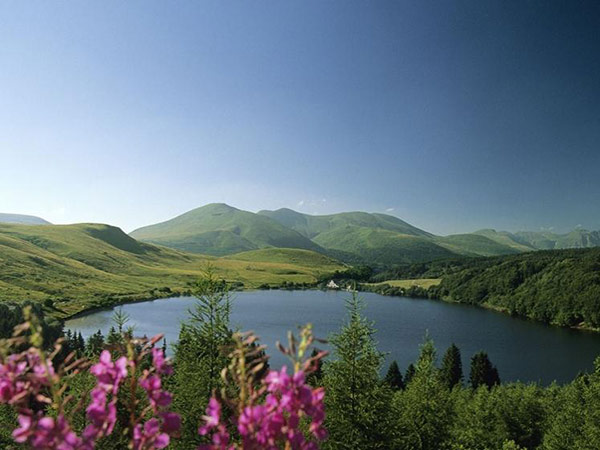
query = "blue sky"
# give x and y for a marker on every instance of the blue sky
(453, 116)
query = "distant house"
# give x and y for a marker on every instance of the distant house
(332, 285)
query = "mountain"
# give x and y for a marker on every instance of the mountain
(81, 266)
(219, 229)
(353, 237)
(312, 226)
(476, 245)
(505, 238)
(381, 238)
(22, 219)
(545, 240)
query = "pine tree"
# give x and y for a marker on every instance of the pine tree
(451, 370)
(410, 373)
(423, 409)
(393, 377)
(357, 402)
(483, 372)
(201, 354)
(95, 344)
(80, 344)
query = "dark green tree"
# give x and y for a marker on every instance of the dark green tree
(483, 372)
(423, 411)
(393, 377)
(201, 354)
(410, 373)
(357, 403)
(451, 371)
(95, 344)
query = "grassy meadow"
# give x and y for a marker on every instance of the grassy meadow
(71, 268)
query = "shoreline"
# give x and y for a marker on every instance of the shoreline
(176, 294)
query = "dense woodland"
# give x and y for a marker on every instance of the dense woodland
(432, 404)
(560, 287)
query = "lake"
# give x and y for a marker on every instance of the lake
(521, 349)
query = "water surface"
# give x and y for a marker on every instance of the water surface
(521, 349)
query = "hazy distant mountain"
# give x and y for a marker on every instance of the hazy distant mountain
(545, 240)
(354, 237)
(22, 219)
(383, 238)
(219, 229)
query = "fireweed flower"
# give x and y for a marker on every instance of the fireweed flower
(276, 422)
(110, 374)
(29, 375)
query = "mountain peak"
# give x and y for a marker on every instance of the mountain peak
(22, 219)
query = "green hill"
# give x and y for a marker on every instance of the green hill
(312, 226)
(219, 229)
(475, 245)
(556, 286)
(505, 238)
(381, 238)
(91, 265)
(22, 219)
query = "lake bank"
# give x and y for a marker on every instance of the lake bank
(522, 349)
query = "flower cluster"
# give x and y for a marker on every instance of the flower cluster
(102, 413)
(277, 421)
(26, 378)
(155, 433)
(270, 417)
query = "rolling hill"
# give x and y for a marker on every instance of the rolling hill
(218, 229)
(560, 287)
(544, 240)
(381, 238)
(22, 219)
(353, 237)
(77, 267)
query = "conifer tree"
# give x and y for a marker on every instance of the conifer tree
(95, 344)
(410, 373)
(451, 371)
(201, 353)
(423, 409)
(357, 403)
(483, 371)
(393, 377)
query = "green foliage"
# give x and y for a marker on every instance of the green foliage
(393, 377)
(201, 354)
(561, 287)
(357, 402)
(483, 372)
(423, 411)
(575, 421)
(451, 371)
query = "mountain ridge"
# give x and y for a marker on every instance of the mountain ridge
(23, 219)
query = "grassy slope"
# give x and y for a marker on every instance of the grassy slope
(383, 238)
(219, 229)
(381, 246)
(475, 245)
(312, 226)
(506, 238)
(425, 283)
(545, 240)
(90, 265)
